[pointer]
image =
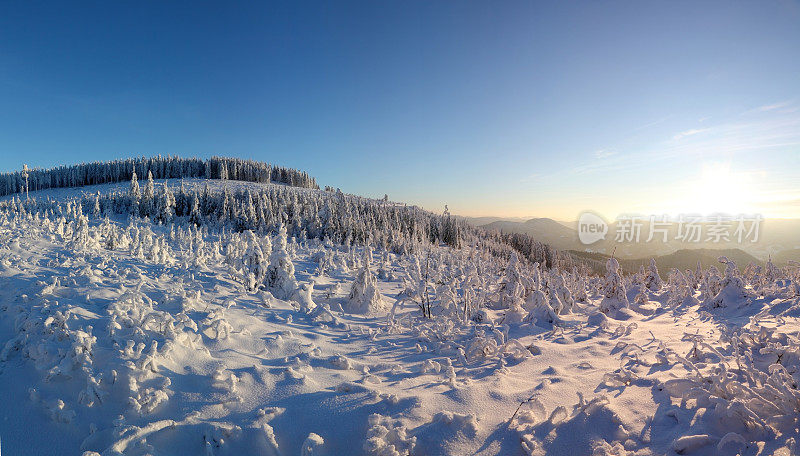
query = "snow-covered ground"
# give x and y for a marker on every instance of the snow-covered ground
(122, 336)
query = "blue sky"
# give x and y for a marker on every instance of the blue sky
(508, 108)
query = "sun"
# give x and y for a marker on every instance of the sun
(716, 188)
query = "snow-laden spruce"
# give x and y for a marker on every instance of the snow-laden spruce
(732, 289)
(614, 294)
(652, 279)
(364, 296)
(280, 273)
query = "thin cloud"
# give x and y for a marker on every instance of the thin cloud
(774, 106)
(531, 178)
(604, 153)
(650, 124)
(691, 132)
(718, 141)
(782, 106)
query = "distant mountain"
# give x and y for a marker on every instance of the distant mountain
(687, 259)
(682, 259)
(571, 225)
(778, 238)
(480, 221)
(782, 258)
(542, 229)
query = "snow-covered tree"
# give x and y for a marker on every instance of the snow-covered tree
(680, 289)
(540, 310)
(195, 217)
(771, 275)
(710, 284)
(302, 296)
(652, 280)
(364, 296)
(96, 210)
(516, 285)
(166, 210)
(560, 292)
(614, 294)
(280, 272)
(111, 238)
(641, 295)
(578, 285)
(135, 195)
(732, 287)
(253, 261)
(147, 208)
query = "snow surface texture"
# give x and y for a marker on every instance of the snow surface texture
(121, 336)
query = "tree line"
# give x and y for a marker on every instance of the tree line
(168, 167)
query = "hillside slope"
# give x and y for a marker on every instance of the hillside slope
(777, 238)
(226, 318)
(681, 260)
(542, 229)
(689, 258)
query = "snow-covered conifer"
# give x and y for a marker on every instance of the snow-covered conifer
(698, 275)
(225, 208)
(148, 198)
(680, 289)
(280, 272)
(167, 205)
(195, 217)
(732, 287)
(710, 284)
(364, 296)
(135, 195)
(614, 294)
(540, 310)
(96, 209)
(652, 280)
(559, 291)
(771, 275)
(302, 296)
(111, 239)
(578, 283)
(516, 285)
(254, 262)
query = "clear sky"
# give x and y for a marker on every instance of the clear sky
(494, 108)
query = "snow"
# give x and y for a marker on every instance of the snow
(123, 336)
